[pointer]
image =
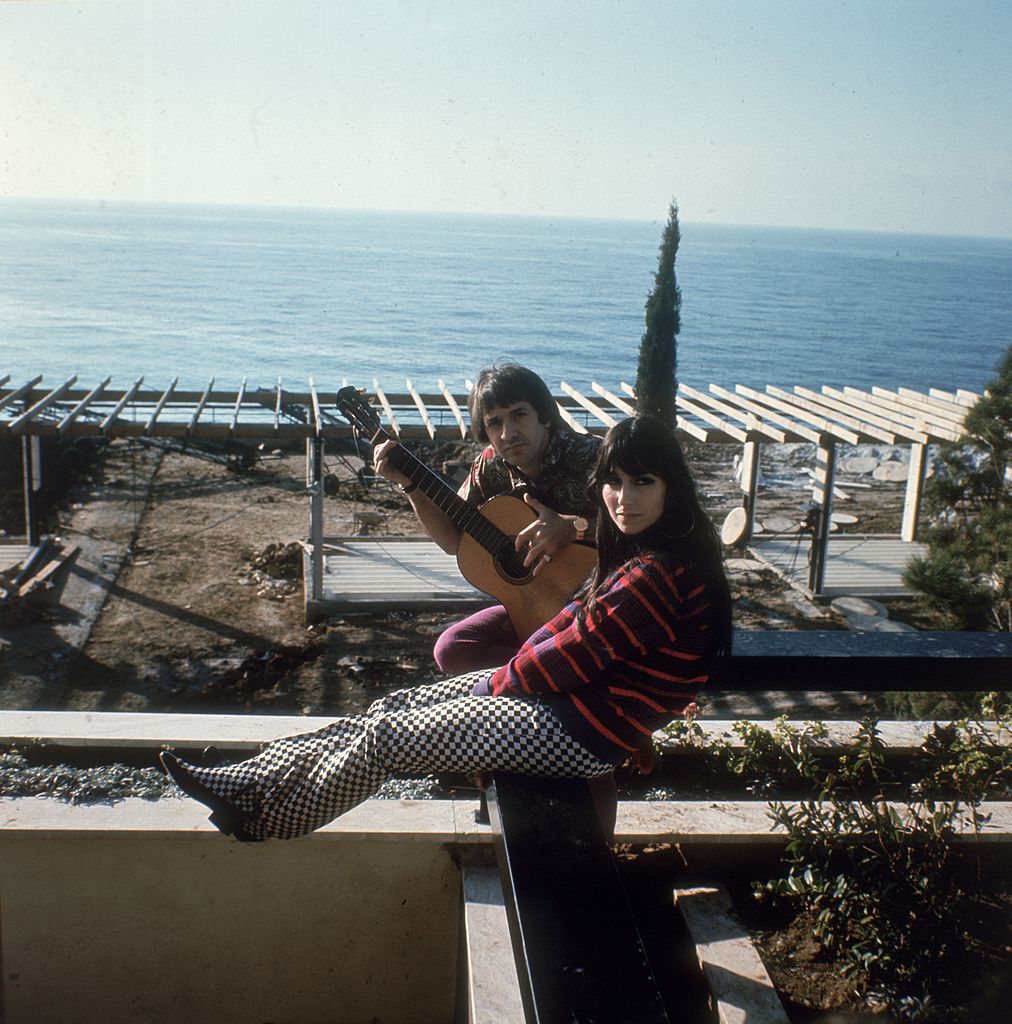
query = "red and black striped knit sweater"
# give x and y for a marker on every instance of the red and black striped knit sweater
(632, 666)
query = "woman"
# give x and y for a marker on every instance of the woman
(584, 693)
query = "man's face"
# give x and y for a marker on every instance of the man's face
(516, 434)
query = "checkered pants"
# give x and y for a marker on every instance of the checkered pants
(295, 785)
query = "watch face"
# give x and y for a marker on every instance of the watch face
(581, 525)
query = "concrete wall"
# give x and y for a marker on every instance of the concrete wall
(174, 922)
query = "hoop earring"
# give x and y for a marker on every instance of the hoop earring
(680, 536)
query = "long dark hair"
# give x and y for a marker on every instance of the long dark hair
(683, 535)
(506, 384)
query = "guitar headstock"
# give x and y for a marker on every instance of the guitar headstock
(355, 408)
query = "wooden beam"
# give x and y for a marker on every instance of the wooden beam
(125, 400)
(238, 406)
(605, 417)
(936, 416)
(277, 407)
(964, 398)
(82, 405)
(807, 412)
(752, 423)
(825, 407)
(858, 408)
(422, 410)
(317, 422)
(569, 420)
(314, 474)
(200, 406)
(386, 407)
(20, 422)
(619, 403)
(825, 471)
(889, 408)
(161, 405)
(708, 417)
(15, 396)
(754, 404)
(945, 411)
(454, 408)
(749, 482)
(914, 492)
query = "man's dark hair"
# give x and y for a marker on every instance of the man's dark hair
(506, 384)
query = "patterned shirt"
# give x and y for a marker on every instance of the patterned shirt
(561, 484)
(632, 666)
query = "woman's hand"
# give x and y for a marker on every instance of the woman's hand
(383, 465)
(545, 537)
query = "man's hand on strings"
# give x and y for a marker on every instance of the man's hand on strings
(384, 467)
(545, 537)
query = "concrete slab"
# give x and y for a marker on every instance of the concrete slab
(740, 983)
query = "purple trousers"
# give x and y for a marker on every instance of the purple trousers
(485, 639)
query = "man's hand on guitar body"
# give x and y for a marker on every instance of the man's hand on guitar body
(546, 536)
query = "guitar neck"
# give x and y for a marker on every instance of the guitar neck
(462, 514)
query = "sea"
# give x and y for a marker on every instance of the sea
(199, 293)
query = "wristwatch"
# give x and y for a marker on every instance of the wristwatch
(581, 526)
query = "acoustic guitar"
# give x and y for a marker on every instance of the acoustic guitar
(486, 557)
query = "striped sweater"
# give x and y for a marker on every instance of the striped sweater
(634, 665)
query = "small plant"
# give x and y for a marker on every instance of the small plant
(874, 860)
(770, 760)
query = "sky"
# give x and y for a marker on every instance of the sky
(882, 115)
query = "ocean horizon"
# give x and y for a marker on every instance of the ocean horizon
(169, 291)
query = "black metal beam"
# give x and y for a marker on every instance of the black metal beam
(868, 662)
(579, 955)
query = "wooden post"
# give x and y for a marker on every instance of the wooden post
(825, 472)
(314, 484)
(915, 490)
(749, 482)
(31, 462)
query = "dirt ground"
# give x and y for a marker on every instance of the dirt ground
(202, 565)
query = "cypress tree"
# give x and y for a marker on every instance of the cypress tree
(655, 372)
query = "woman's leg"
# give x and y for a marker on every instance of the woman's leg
(465, 734)
(239, 786)
(485, 639)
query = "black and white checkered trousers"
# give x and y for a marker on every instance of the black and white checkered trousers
(295, 785)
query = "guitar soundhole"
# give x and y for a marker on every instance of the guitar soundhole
(511, 566)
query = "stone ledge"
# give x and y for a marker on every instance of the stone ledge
(725, 822)
(240, 732)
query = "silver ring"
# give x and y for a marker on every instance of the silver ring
(546, 558)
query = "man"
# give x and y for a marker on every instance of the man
(528, 454)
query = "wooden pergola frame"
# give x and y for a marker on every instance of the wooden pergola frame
(827, 417)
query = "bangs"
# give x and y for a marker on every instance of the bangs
(626, 454)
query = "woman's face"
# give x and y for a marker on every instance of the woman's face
(634, 503)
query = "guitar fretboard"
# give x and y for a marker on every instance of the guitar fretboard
(461, 513)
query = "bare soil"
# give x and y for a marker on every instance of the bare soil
(202, 565)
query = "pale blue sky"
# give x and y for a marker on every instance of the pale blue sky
(879, 115)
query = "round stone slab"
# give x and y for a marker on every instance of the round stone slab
(891, 471)
(844, 518)
(735, 525)
(859, 465)
(780, 524)
(849, 605)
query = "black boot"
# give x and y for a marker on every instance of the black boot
(225, 815)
